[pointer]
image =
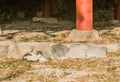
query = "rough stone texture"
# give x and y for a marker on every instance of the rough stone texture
(26, 47)
(4, 50)
(6, 43)
(77, 35)
(13, 51)
(44, 48)
(76, 51)
(59, 50)
(44, 20)
(17, 50)
(95, 51)
(112, 47)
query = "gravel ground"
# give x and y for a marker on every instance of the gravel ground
(68, 70)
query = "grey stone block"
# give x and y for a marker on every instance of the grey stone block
(77, 35)
(13, 51)
(26, 47)
(4, 50)
(112, 47)
(95, 51)
(59, 51)
(18, 49)
(76, 51)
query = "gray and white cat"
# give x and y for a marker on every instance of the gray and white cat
(34, 57)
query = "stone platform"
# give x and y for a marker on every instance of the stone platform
(57, 51)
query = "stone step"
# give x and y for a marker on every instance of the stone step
(58, 51)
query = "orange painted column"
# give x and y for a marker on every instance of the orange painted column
(47, 8)
(116, 9)
(84, 16)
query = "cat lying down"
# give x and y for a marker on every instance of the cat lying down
(34, 57)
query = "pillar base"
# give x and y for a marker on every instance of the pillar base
(81, 36)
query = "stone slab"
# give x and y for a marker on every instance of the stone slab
(78, 36)
(112, 47)
(59, 51)
(44, 48)
(18, 49)
(13, 51)
(95, 51)
(4, 50)
(76, 51)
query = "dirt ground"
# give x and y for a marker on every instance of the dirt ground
(68, 70)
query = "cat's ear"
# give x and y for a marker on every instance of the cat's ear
(39, 52)
(27, 54)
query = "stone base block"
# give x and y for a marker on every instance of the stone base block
(4, 50)
(95, 51)
(76, 51)
(18, 50)
(78, 36)
(57, 51)
(114, 47)
(86, 51)
(44, 20)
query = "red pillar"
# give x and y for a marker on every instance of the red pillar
(117, 9)
(84, 20)
(47, 8)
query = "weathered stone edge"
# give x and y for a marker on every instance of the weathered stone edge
(10, 50)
